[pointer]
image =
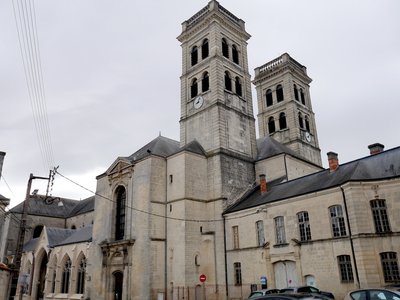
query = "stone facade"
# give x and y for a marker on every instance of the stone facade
(175, 210)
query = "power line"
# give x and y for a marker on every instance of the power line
(147, 212)
(25, 20)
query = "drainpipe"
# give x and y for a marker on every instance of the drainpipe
(284, 159)
(165, 233)
(226, 261)
(351, 238)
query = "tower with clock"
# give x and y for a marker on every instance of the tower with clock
(216, 103)
(284, 106)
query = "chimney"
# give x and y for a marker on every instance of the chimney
(263, 184)
(2, 154)
(333, 161)
(376, 148)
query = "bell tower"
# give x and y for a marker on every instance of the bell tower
(216, 102)
(284, 106)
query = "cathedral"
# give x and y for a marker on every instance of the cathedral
(221, 213)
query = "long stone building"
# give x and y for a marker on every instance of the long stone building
(220, 213)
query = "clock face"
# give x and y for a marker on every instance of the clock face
(198, 102)
(308, 136)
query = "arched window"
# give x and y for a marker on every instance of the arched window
(279, 93)
(238, 86)
(307, 123)
(225, 48)
(301, 123)
(80, 277)
(73, 227)
(66, 275)
(120, 213)
(193, 88)
(235, 54)
(296, 92)
(303, 99)
(228, 82)
(205, 82)
(282, 121)
(268, 96)
(204, 49)
(194, 55)
(271, 125)
(118, 284)
(37, 231)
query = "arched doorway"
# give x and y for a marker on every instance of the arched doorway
(118, 282)
(42, 278)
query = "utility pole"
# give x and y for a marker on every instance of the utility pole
(21, 238)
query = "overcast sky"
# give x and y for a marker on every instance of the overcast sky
(111, 76)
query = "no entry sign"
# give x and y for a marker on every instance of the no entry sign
(202, 278)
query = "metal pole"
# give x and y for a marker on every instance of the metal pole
(21, 238)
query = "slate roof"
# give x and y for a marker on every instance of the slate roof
(384, 165)
(80, 235)
(70, 208)
(83, 206)
(268, 147)
(160, 146)
(37, 206)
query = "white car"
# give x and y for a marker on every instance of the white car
(373, 294)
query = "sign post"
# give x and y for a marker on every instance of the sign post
(203, 279)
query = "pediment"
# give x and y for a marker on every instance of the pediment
(120, 167)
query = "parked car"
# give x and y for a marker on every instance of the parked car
(308, 289)
(263, 292)
(373, 294)
(291, 296)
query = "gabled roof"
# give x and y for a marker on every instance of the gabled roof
(56, 235)
(194, 147)
(269, 147)
(61, 236)
(160, 146)
(82, 207)
(70, 208)
(38, 206)
(80, 235)
(384, 165)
